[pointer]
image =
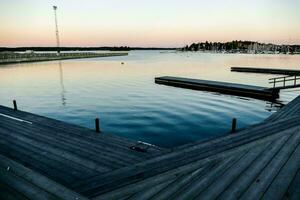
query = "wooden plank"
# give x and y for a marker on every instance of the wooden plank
(262, 144)
(293, 191)
(161, 178)
(221, 87)
(58, 151)
(92, 145)
(52, 124)
(131, 189)
(95, 142)
(81, 132)
(150, 191)
(67, 144)
(217, 187)
(177, 158)
(40, 137)
(153, 180)
(66, 127)
(24, 187)
(36, 157)
(183, 182)
(146, 171)
(199, 185)
(240, 185)
(282, 181)
(8, 193)
(31, 184)
(60, 172)
(262, 182)
(265, 70)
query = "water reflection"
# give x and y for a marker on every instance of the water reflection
(61, 79)
(273, 106)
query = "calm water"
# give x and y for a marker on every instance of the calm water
(130, 104)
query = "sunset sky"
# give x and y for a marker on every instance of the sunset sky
(155, 23)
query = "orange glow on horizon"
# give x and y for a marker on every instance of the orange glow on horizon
(145, 24)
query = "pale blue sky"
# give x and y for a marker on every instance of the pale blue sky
(148, 23)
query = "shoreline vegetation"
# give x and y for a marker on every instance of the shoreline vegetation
(243, 47)
(248, 47)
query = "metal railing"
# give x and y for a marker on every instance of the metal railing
(285, 80)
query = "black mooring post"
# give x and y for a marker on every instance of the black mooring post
(15, 105)
(233, 129)
(97, 125)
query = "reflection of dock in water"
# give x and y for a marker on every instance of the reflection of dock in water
(273, 106)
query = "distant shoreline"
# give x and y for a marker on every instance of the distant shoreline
(21, 49)
(249, 47)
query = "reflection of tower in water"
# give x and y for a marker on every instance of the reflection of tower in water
(63, 91)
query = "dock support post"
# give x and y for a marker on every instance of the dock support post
(233, 128)
(15, 105)
(97, 125)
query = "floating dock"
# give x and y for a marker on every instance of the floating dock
(10, 58)
(221, 87)
(266, 70)
(42, 158)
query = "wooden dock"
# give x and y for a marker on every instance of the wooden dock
(221, 87)
(61, 152)
(260, 162)
(10, 58)
(266, 70)
(42, 158)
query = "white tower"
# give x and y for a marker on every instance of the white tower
(56, 30)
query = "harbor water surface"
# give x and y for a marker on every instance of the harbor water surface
(129, 103)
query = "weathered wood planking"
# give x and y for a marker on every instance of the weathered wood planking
(221, 87)
(276, 139)
(63, 152)
(244, 172)
(19, 182)
(265, 70)
(81, 132)
(158, 165)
